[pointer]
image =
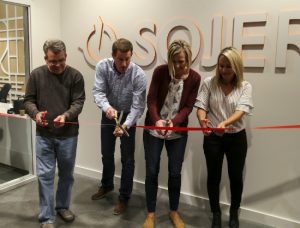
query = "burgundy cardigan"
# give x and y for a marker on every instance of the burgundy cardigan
(159, 89)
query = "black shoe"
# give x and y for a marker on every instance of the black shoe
(216, 221)
(234, 219)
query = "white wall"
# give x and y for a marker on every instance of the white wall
(45, 24)
(272, 181)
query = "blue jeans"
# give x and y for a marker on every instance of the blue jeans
(127, 147)
(48, 152)
(175, 149)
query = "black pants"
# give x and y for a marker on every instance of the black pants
(234, 146)
(175, 149)
(127, 147)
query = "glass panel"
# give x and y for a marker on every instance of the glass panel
(2, 11)
(12, 48)
(12, 23)
(2, 26)
(13, 33)
(16, 159)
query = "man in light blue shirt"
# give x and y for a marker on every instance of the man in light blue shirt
(120, 87)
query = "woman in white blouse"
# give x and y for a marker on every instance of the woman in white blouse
(222, 103)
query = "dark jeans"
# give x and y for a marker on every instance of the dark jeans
(127, 147)
(234, 146)
(175, 149)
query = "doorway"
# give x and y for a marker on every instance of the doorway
(16, 148)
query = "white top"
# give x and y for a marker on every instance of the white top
(220, 107)
(170, 108)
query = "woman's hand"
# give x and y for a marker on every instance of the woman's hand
(221, 126)
(169, 123)
(161, 123)
(205, 124)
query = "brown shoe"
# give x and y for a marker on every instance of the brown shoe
(149, 222)
(66, 215)
(102, 192)
(120, 207)
(176, 220)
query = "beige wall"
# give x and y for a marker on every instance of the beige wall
(271, 194)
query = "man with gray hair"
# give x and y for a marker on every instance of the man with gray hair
(55, 95)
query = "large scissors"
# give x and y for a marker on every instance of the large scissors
(118, 123)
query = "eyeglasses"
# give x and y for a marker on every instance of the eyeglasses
(56, 62)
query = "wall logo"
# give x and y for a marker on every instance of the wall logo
(249, 34)
(102, 32)
(145, 50)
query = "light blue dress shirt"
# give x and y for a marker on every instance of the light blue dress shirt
(124, 92)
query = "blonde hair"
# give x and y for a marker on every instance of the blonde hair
(175, 48)
(236, 62)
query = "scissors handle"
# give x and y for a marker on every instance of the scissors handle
(124, 130)
(166, 125)
(118, 123)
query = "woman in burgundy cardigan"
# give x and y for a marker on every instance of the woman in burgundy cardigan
(172, 94)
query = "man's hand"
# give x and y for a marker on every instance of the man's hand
(40, 118)
(110, 113)
(59, 121)
(118, 132)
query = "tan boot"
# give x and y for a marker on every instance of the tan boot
(176, 220)
(149, 221)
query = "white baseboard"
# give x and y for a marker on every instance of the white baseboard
(87, 172)
(15, 183)
(202, 202)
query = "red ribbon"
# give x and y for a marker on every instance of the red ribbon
(174, 128)
(183, 128)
